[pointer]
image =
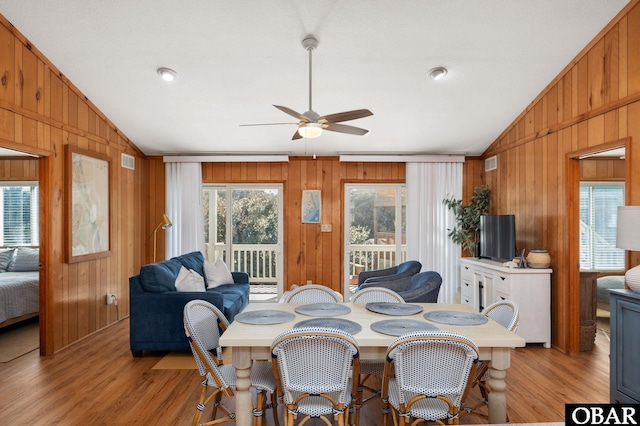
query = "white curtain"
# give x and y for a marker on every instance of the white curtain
(184, 208)
(428, 220)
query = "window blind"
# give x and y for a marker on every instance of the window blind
(20, 214)
(598, 221)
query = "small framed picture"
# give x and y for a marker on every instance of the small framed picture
(311, 202)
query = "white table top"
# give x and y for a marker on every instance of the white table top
(488, 335)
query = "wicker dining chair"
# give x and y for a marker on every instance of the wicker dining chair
(312, 293)
(202, 324)
(426, 375)
(376, 294)
(505, 313)
(371, 369)
(317, 371)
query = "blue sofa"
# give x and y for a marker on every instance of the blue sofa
(155, 322)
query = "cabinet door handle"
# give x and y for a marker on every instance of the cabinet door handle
(503, 278)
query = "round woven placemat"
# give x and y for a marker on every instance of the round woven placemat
(264, 316)
(399, 309)
(342, 324)
(398, 327)
(456, 318)
(322, 309)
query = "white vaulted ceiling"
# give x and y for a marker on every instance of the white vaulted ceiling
(237, 58)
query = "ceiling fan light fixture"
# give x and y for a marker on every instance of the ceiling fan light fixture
(167, 74)
(438, 73)
(310, 130)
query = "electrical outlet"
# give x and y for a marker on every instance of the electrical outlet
(110, 299)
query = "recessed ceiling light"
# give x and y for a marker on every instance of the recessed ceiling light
(438, 73)
(167, 74)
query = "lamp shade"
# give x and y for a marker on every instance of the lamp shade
(628, 232)
(166, 223)
(628, 238)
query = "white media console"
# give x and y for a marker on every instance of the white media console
(486, 281)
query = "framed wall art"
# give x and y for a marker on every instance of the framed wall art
(311, 203)
(88, 204)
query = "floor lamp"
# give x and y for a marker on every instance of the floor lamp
(165, 224)
(628, 238)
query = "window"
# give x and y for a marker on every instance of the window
(375, 237)
(19, 201)
(243, 225)
(599, 203)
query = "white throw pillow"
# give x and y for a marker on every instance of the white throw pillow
(217, 273)
(189, 280)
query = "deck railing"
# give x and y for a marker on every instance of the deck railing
(260, 260)
(364, 257)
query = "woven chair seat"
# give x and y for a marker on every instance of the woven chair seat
(227, 372)
(429, 409)
(316, 406)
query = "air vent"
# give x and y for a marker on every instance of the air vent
(491, 163)
(127, 162)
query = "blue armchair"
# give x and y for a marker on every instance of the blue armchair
(423, 287)
(402, 270)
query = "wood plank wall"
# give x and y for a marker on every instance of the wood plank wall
(593, 102)
(602, 170)
(41, 112)
(17, 169)
(308, 253)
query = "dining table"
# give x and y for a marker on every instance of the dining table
(251, 334)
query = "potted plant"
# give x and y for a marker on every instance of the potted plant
(467, 229)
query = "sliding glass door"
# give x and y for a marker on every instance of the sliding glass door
(375, 229)
(243, 226)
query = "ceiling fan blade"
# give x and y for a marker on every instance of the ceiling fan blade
(346, 116)
(296, 135)
(264, 124)
(292, 113)
(343, 128)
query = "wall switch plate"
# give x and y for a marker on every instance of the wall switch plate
(326, 227)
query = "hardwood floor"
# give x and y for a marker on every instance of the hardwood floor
(97, 382)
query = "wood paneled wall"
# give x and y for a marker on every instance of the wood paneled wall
(602, 169)
(308, 253)
(40, 113)
(17, 169)
(594, 102)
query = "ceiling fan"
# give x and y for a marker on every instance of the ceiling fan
(311, 124)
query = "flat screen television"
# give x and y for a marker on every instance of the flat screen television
(498, 237)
